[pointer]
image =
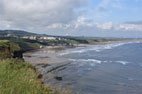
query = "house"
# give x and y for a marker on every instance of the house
(33, 37)
(30, 37)
(25, 37)
(47, 38)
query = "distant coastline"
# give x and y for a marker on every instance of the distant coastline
(13, 46)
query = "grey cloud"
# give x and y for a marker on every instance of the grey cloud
(59, 17)
(38, 13)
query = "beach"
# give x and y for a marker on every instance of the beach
(105, 68)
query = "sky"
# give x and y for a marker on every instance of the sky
(96, 18)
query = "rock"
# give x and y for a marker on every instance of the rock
(58, 78)
(18, 54)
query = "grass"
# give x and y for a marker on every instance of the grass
(18, 77)
(24, 44)
(8, 44)
(7, 48)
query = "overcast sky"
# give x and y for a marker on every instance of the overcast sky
(101, 18)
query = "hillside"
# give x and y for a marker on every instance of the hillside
(16, 32)
(24, 44)
(17, 76)
(7, 48)
(28, 40)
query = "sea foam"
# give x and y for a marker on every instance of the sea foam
(86, 60)
(95, 61)
(97, 48)
(122, 62)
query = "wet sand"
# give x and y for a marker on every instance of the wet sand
(47, 55)
(45, 60)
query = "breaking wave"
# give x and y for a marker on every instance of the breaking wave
(97, 48)
(86, 60)
(96, 61)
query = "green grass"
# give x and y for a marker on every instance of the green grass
(18, 77)
(7, 48)
(24, 44)
(8, 44)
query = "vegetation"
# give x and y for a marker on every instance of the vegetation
(85, 40)
(15, 32)
(7, 48)
(8, 44)
(24, 44)
(18, 77)
(27, 44)
(61, 42)
(71, 41)
(30, 44)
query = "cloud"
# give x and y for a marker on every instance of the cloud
(106, 4)
(110, 26)
(131, 27)
(84, 25)
(106, 26)
(134, 22)
(62, 17)
(38, 13)
(103, 5)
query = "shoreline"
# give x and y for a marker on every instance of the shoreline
(49, 65)
(52, 51)
(53, 63)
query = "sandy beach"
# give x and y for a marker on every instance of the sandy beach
(45, 55)
(45, 60)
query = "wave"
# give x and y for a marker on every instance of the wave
(96, 61)
(97, 48)
(72, 51)
(86, 60)
(122, 62)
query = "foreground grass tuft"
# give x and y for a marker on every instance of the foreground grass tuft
(18, 77)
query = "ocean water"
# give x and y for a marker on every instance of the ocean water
(104, 69)
(98, 69)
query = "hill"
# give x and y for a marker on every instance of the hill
(16, 33)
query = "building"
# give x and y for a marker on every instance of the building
(47, 38)
(30, 37)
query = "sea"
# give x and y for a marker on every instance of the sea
(114, 68)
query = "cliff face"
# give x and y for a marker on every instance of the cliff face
(9, 50)
(5, 53)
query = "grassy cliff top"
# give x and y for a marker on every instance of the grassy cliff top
(18, 77)
(10, 45)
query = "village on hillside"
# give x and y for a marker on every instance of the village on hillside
(36, 37)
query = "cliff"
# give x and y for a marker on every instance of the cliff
(9, 49)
